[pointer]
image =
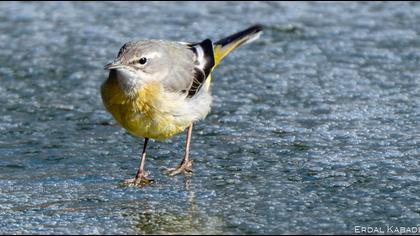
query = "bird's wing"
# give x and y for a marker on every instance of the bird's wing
(203, 64)
(191, 65)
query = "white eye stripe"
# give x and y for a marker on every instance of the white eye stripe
(151, 55)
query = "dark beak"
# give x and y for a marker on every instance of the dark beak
(112, 65)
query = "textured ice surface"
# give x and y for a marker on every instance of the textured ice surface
(314, 127)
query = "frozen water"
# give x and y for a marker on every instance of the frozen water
(314, 127)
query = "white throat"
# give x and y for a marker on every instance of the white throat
(129, 81)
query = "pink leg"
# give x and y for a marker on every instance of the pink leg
(141, 177)
(186, 165)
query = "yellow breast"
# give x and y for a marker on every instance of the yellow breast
(140, 114)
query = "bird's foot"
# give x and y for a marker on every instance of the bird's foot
(184, 167)
(140, 180)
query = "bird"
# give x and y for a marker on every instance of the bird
(158, 88)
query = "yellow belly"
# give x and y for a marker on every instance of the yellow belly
(140, 115)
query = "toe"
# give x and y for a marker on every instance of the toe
(141, 181)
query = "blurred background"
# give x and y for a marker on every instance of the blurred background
(314, 127)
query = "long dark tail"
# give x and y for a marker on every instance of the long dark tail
(226, 45)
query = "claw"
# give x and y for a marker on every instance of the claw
(185, 168)
(139, 181)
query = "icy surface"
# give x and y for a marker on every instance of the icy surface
(314, 127)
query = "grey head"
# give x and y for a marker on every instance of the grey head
(141, 61)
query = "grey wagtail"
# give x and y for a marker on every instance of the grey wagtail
(156, 89)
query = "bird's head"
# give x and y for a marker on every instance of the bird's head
(138, 62)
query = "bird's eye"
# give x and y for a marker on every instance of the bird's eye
(143, 61)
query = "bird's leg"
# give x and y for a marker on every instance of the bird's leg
(186, 165)
(141, 176)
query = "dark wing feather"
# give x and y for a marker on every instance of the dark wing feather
(204, 62)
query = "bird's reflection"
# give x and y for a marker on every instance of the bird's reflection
(153, 220)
